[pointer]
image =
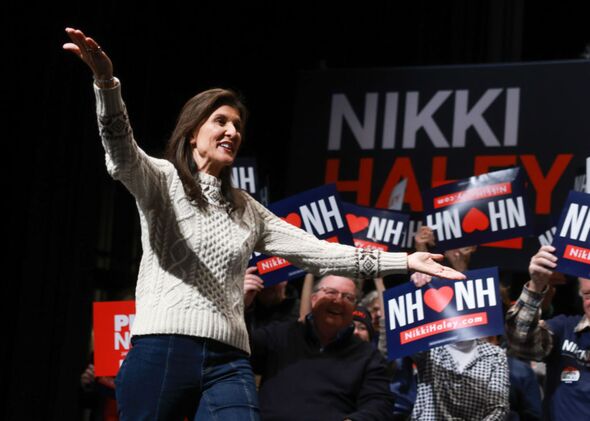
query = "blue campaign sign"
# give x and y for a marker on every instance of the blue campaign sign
(317, 211)
(442, 312)
(371, 228)
(481, 209)
(572, 246)
(245, 176)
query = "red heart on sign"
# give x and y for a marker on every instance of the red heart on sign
(294, 219)
(438, 299)
(356, 223)
(475, 220)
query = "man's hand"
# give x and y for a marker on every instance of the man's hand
(541, 267)
(253, 284)
(459, 258)
(424, 238)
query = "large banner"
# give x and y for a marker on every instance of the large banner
(317, 211)
(442, 312)
(366, 130)
(112, 335)
(572, 236)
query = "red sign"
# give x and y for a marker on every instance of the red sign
(112, 335)
(579, 254)
(477, 193)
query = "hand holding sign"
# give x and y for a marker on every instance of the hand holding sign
(459, 258)
(426, 263)
(253, 284)
(424, 238)
(541, 267)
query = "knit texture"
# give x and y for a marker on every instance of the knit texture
(191, 275)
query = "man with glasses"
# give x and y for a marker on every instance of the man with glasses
(317, 369)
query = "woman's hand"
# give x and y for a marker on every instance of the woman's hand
(253, 284)
(426, 263)
(90, 53)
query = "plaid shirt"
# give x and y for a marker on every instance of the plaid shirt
(528, 337)
(479, 392)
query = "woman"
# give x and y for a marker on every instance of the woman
(190, 344)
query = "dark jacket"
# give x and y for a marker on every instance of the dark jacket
(568, 371)
(525, 393)
(302, 381)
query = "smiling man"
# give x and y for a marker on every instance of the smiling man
(318, 370)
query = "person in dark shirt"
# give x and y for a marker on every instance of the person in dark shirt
(318, 369)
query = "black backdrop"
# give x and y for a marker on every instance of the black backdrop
(70, 230)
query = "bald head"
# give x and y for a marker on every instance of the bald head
(332, 304)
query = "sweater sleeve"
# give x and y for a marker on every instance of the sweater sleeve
(142, 175)
(279, 238)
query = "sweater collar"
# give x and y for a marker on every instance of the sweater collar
(211, 188)
(208, 180)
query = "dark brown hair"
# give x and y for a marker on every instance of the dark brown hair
(179, 150)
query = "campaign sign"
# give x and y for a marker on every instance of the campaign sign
(317, 211)
(414, 224)
(480, 209)
(571, 241)
(244, 176)
(380, 229)
(442, 312)
(112, 335)
(546, 236)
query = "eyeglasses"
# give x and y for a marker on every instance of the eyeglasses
(333, 293)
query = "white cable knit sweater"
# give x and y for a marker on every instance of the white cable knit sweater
(191, 276)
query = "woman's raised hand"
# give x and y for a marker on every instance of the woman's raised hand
(90, 53)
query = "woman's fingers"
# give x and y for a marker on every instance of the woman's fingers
(89, 51)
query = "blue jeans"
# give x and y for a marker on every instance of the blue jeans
(170, 377)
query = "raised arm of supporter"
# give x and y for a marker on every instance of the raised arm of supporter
(305, 301)
(527, 337)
